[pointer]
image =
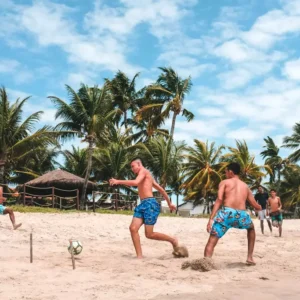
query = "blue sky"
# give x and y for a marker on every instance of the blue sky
(243, 56)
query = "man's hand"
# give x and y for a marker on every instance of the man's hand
(209, 225)
(113, 181)
(259, 208)
(172, 207)
(2, 199)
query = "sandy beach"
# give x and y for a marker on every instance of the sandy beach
(107, 268)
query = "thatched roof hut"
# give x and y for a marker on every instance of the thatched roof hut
(59, 179)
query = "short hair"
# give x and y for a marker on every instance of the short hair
(234, 167)
(273, 190)
(260, 186)
(136, 159)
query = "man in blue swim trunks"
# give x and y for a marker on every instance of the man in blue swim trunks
(232, 195)
(148, 210)
(5, 210)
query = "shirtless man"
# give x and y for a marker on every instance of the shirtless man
(233, 194)
(148, 210)
(275, 206)
(5, 210)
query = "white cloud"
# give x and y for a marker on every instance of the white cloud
(8, 66)
(211, 111)
(292, 69)
(242, 134)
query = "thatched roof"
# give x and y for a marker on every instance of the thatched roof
(60, 179)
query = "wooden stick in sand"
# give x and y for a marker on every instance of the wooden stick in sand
(31, 249)
(72, 254)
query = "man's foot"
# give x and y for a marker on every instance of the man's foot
(17, 226)
(140, 257)
(250, 262)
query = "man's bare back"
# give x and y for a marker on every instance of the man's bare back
(236, 193)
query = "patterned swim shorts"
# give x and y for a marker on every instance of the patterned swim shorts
(148, 210)
(227, 218)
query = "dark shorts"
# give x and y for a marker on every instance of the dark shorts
(148, 210)
(227, 218)
(276, 218)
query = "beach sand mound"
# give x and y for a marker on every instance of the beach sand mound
(202, 265)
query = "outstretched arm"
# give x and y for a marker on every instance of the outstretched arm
(134, 182)
(1, 195)
(252, 201)
(217, 205)
(164, 194)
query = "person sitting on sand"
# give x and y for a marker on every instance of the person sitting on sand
(148, 210)
(232, 194)
(275, 206)
(5, 210)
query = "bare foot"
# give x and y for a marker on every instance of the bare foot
(250, 262)
(140, 257)
(17, 226)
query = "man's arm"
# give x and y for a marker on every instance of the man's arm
(1, 195)
(252, 201)
(134, 182)
(268, 208)
(162, 192)
(217, 205)
(279, 203)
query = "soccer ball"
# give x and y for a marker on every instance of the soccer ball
(77, 247)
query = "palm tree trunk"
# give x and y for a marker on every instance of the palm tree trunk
(177, 202)
(279, 180)
(125, 119)
(2, 169)
(173, 126)
(87, 174)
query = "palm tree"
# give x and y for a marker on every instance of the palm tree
(124, 95)
(87, 116)
(293, 142)
(250, 172)
(75, 161)
(291, 187)
(17, 141)
(39, 162)
(273, 160)
(202, 170)
(114, 161)
(167, 96)
(163, 160)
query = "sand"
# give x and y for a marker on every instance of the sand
(107, 268)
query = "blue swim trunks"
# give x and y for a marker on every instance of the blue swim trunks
(2, 208)
(227, 218)
(148, 210)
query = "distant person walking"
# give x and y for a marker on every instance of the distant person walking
(261, 198)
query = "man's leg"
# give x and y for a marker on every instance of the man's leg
(150, 234)
(270, 225)
(262, 226)
(134, 231)
(210, 246)
(280, 229)
(251, 242)
(12, 217)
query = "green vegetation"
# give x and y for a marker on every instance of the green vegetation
(119, 122)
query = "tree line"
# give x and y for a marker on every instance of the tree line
(118, 122)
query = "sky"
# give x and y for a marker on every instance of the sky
(243, 57)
